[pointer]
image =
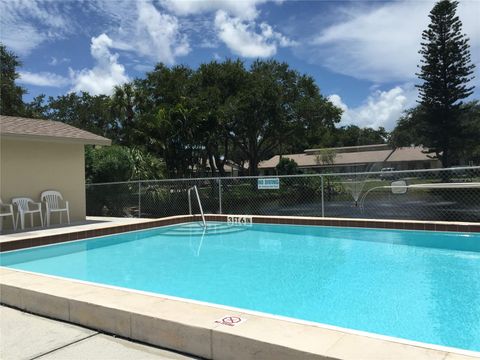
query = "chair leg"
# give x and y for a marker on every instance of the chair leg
(68, 215)
(31, 220)
(41, 217)
(14, 224)
(47, 218)
(60, 213)
(22, 220)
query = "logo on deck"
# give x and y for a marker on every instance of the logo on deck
(230, 320)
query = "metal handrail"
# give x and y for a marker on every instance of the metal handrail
(194, 187)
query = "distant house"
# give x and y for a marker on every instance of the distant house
(38, 155)
(355, 158)
(230, 169)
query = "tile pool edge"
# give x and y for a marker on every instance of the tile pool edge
(189, 326)
(40, 240)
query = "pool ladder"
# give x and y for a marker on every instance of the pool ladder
(199, 203)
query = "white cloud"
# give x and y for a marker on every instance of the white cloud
(55, 61)
(382, 108)
(141, 28)
(381, 42)
(106, 73)
(19, 21)
(160, 33)
(242, 39)
(23, 40)
(336, 100)
(243, 9)
(143, 67)
(43, 79)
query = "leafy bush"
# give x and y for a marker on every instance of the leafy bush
(287, 166)
(120, 163)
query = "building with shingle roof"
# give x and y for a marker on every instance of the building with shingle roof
(38, 155)
(355, 158)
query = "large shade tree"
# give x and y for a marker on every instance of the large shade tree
(11, 102)
(277, 108)
(223, 111)
(166, 122)
(215, 85)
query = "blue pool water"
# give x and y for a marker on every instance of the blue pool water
(416, 285)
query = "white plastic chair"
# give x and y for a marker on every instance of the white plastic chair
(24, 207)
(5, 211)
(53, 200)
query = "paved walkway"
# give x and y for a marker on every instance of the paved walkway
(26, 336)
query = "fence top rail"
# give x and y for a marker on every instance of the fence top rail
(439, 170)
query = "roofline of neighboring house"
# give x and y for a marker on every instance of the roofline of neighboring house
(348, 164)
(65, 140)
(326, 165)
(379, 147)
(359, 148)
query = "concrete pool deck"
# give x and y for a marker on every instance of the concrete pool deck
(193, 328)
(91, 223)
(26, 336)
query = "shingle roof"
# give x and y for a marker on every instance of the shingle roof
(414, 153)
(345, 149)
(300, 159)
(359, 157)
(308, 160)
(18, 127)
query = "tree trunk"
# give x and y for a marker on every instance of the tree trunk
(253, 165)
(212, 164)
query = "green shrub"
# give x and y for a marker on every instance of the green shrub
(120, 163)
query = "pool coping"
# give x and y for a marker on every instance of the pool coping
(190, 326)
(112, 228)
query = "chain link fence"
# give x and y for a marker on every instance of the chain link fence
(435, 194)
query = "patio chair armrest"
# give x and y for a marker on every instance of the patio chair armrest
(36, 205)
(6, 206)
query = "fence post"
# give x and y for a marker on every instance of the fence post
(323, 203)
(219, 196)
(139, 198)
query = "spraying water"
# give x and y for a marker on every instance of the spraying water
(356, 183)
(354, 187)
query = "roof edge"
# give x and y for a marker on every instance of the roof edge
(103, 141)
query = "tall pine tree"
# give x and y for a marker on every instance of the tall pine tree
(446, 70)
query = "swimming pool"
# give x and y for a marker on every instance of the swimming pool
(416, 285)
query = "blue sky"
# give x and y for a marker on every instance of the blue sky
(362, 54)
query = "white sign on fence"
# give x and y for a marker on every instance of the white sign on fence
(268, 183)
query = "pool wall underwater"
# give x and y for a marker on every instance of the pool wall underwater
(199, 328)
(291, 220)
